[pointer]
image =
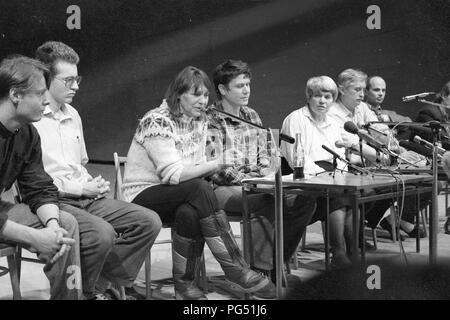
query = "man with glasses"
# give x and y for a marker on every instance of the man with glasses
(115, 236)
(37, 224)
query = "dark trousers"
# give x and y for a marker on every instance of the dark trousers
(183, 204)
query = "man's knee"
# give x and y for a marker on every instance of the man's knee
(68, 223)
(101, 236)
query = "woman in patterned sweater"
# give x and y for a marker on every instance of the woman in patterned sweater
(165, 169)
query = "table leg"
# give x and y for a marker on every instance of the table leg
(355, 213)
(327, 233)
(279, 234)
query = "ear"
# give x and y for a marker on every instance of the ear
(222, 89)
(14, 96)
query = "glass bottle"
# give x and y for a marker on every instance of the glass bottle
(299, 158)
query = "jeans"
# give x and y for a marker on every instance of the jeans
(115, 237)
(297, 212)
(65, 274)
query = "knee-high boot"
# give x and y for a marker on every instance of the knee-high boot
(186, 255)
(220, 240)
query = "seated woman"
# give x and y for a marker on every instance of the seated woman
(316, 129)
(165, 169)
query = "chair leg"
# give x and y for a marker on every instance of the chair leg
(374, 237)
(393, 224)
(148, 275)
(203, 273)
(295, 259)
(13, 274)
(424, 221)
(18, 260)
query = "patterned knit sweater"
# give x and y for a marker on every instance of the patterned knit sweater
(162, 145)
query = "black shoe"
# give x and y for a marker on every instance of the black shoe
(447, 226)
(131, 292)
(413, 232)
(114, 294)
(367, 246)
(387, 226)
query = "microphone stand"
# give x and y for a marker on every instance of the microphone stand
(278, 207)
(434, 223)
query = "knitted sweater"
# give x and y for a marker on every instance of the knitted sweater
(162, 145)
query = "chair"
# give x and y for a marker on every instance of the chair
(9, 250)
(13, 253)
(121, 161)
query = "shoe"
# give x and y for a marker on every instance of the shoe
(413, 232)
(340, 261)
(447, 226)
(387, 226)
(100, 296)
(268, 292)
(131, 292)
(113, 294)
(367, 246)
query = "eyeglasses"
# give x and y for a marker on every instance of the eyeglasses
(69, 81)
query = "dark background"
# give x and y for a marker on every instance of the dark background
(130, 50)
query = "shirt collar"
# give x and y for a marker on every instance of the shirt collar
(243, 112)
(308, 114)
(61, 115)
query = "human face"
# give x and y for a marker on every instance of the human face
(31, 104)
(446, 101)
(58, 90)
(320, 103)
(194, 102)
(377, 91)
(353, 94)
(237, 92)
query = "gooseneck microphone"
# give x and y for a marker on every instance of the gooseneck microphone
(348, 163)
(352, 128)
(425, 143)
(416, 96)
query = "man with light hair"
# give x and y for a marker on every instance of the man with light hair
(38, 224)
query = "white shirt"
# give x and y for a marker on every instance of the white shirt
(313, 135)
(63, 149)
(362, 115)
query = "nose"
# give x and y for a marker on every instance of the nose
(74, 86)
(203, 99)
(45, 100)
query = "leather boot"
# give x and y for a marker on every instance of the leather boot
(220, 240)
(186, 254)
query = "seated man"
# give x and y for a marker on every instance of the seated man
(38, 223)
(349, 107)
(115, 236)
(375, 93)
(246, 147)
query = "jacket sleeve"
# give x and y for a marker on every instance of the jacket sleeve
(35, 185)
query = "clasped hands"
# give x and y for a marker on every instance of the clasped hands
(96, 188)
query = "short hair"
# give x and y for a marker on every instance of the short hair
(322, 83)
(51, 52)
(445, 92)
(19, 73)
(225, 72)
(348, 76)
(186, 79)
(370, 78)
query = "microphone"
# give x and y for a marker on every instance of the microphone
(348, 163)
(416, 148)
(368, 127)
(425, 143)
(352, 128)
(416, 96)
(332, 152)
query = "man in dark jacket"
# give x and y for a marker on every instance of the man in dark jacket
(37, 223)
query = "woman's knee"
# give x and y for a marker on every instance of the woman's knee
(187, 221)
